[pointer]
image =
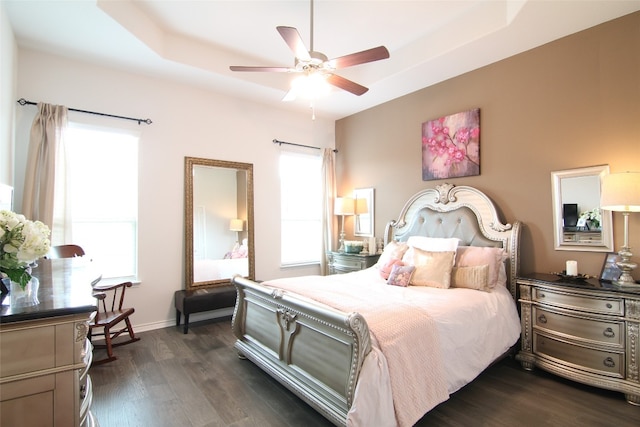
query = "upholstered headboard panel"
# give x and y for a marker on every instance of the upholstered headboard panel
(461, 223)
(462, 212)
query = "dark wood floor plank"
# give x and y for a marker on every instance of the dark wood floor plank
(197, 380)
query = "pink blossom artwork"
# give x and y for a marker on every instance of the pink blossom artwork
(451, 146)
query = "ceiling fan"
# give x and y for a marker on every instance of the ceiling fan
(313, 64)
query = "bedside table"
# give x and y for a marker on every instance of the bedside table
(342, 262)
(587, 331)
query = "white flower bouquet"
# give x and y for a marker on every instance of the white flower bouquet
(22, 242)
(593, 217)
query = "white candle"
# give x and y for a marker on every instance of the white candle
(572, 268)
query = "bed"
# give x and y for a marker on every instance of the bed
(389, 358)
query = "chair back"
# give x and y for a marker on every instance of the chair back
(110, 300)
(65, 251)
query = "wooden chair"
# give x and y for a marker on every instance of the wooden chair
(109, 317)
(65, 251)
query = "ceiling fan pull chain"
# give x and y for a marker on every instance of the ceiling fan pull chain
(311, 26)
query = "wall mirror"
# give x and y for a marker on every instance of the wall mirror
(218, 222)
(578, 222)
(364, 223)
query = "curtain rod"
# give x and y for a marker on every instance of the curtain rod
(23, 101)
(275, 141)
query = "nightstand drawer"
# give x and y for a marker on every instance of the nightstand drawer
(577, 302)
(601, 362)
(347, 263)
(596, 331)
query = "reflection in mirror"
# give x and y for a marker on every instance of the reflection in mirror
(364, 215)
(218, 222)
(578, 222)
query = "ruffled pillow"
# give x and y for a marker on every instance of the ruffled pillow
(401, 275)
(385, 270)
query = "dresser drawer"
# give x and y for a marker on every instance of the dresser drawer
(597, 331)
(601, 362)
(591, 304)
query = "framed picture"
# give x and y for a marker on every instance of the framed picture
(451, 146)
(364, 217)
(610, 271)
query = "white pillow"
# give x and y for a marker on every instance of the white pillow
(434, 244)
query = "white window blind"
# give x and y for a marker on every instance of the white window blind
(301, 208)
(103, 191)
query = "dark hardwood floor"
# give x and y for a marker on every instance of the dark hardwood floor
(176, 380)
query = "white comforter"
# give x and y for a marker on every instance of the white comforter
(473, 327)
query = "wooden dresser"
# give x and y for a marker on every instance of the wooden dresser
(587, 331)
(44, 352)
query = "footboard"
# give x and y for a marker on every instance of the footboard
(313, 350)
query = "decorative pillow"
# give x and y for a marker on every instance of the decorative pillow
(385, 270)
(434, 244)
(393, 250)
(471, 277)
(432, 268)
(401, 275)
(472, 256)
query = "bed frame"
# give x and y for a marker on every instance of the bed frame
(317, 352)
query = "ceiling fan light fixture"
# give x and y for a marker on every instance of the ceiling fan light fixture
(311, 86)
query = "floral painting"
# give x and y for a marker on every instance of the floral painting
(451, 146)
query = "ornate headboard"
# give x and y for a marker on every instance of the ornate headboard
(462, 212)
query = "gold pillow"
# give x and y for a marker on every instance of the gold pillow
(432, 268)
(476, 277)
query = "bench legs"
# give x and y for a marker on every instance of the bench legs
(187, 302)
(186, 321)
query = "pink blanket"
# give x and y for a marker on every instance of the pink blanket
(404, 332)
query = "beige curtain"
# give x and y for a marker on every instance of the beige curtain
(45, 146)
(329, 224)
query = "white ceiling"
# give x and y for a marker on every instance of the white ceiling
(196, 41)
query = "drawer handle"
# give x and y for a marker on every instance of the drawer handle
(541, 295)
(83, 391)
(609, 333)
(609, 305)
(542, 318)
(609, 363)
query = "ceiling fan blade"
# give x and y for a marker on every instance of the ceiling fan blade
(292, 37)
(269, 69)
(346, 84)
(369, 55)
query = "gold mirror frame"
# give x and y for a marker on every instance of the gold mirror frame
(190, 163)
(571, 241)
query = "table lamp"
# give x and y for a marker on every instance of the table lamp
(343, 206)
(236, 225)
(621, 193)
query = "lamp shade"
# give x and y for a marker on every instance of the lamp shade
(236, 225)
(361, 206)
(621, 192)
(344, 206)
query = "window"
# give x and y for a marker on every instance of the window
(301, 208)
(102, 183)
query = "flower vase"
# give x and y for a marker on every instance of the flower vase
(25, 297)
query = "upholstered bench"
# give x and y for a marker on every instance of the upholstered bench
(188, 302)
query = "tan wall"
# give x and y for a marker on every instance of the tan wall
(568, 104)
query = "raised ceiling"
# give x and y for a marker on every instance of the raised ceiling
(196, 41)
